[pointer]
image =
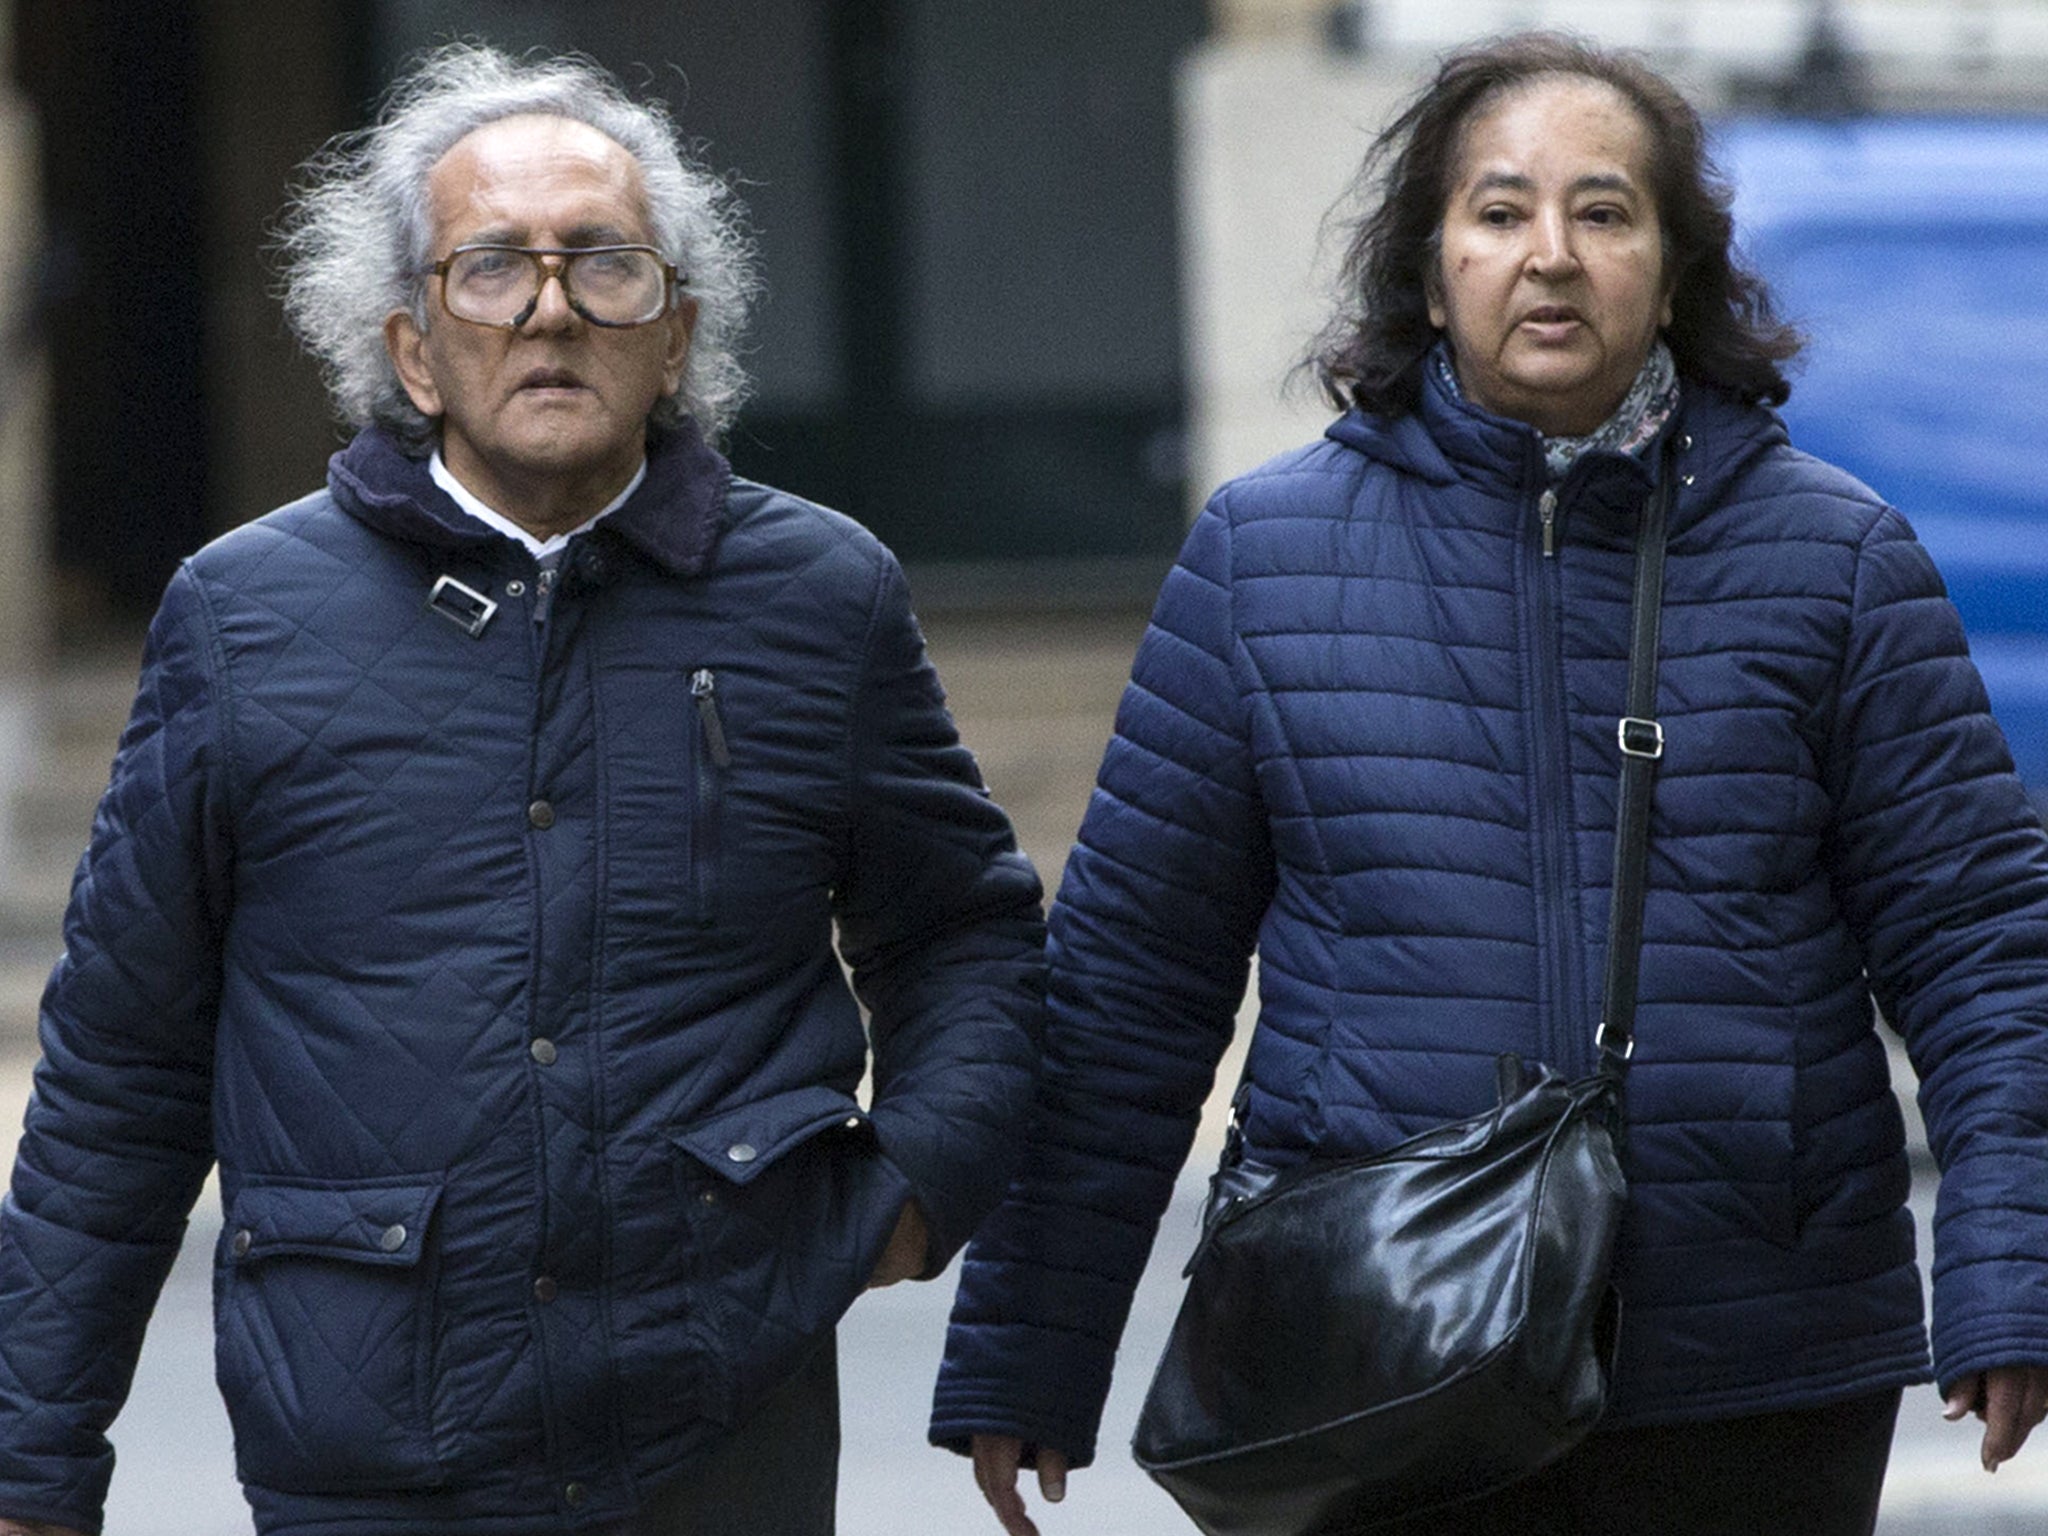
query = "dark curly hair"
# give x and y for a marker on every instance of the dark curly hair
(1723, 328)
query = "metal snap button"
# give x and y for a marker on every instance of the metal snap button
(540, 815)
(574, 1494)
(244, 1241)
(741, 1152)
(545, 1289)
(393, 1238)
(515, 589)
(543, 1051)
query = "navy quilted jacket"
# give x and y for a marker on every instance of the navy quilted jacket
(497, 972)
(1371, 733)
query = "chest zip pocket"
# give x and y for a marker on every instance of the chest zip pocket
(711, 757)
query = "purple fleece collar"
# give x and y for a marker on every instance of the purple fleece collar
(674, 518)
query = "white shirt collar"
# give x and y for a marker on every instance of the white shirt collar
(540, 548)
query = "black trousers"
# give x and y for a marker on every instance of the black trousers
(1812, 1472)
(777, 1476)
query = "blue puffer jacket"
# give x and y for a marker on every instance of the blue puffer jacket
(497, 972)
(1372, 732)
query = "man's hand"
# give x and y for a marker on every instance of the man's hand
(901, 1260)
(2010, 1399)
(996, 1460)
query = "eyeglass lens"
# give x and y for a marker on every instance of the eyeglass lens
(497, 285)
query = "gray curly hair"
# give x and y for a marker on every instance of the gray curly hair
(354, 240)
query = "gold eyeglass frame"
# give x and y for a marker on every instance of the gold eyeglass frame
(672, 281)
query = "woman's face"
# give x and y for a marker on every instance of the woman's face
(1551, 282)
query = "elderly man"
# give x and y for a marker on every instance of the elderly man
(467, 885)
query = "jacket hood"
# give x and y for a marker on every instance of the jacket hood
(1447, 439)
(674, 518)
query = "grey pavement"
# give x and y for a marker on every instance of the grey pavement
(1034, 692)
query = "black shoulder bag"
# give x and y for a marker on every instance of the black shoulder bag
(1376, 1338)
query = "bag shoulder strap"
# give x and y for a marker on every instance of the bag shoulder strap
(1641, 740)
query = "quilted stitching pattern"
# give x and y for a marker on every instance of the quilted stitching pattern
(441, 1045)
(1371, 732)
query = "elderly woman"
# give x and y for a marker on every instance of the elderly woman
(1371, 734)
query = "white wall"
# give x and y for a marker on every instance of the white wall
(24, 457)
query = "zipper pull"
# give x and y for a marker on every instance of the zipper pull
(1546, 510)
(704, 689)
(543, 593)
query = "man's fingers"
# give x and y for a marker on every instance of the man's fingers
(904, 1258)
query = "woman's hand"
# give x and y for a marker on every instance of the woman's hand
(2010, 1399)
(996, 1460)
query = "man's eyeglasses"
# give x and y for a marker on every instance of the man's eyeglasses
(612, 285)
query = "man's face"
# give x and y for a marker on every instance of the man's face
(547, 421)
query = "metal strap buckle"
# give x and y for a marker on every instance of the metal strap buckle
(1628, 1046)
(1639, 737)
(464, 607)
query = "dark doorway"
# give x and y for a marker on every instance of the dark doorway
(117, 91)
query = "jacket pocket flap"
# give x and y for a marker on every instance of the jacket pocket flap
(362, 1223)
(740, 1144)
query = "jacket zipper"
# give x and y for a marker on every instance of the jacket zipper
(545, 1165)
(713, 757)
(704, 689)
(1561, 1012)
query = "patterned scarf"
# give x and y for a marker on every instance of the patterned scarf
(1634, 424)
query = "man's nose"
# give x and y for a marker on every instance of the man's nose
(551, 307)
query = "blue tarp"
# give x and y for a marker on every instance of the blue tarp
(1914, 253)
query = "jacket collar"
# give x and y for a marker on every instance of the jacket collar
(674, 518)
(1447, 439)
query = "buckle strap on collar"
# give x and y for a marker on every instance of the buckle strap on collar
(463, 606)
